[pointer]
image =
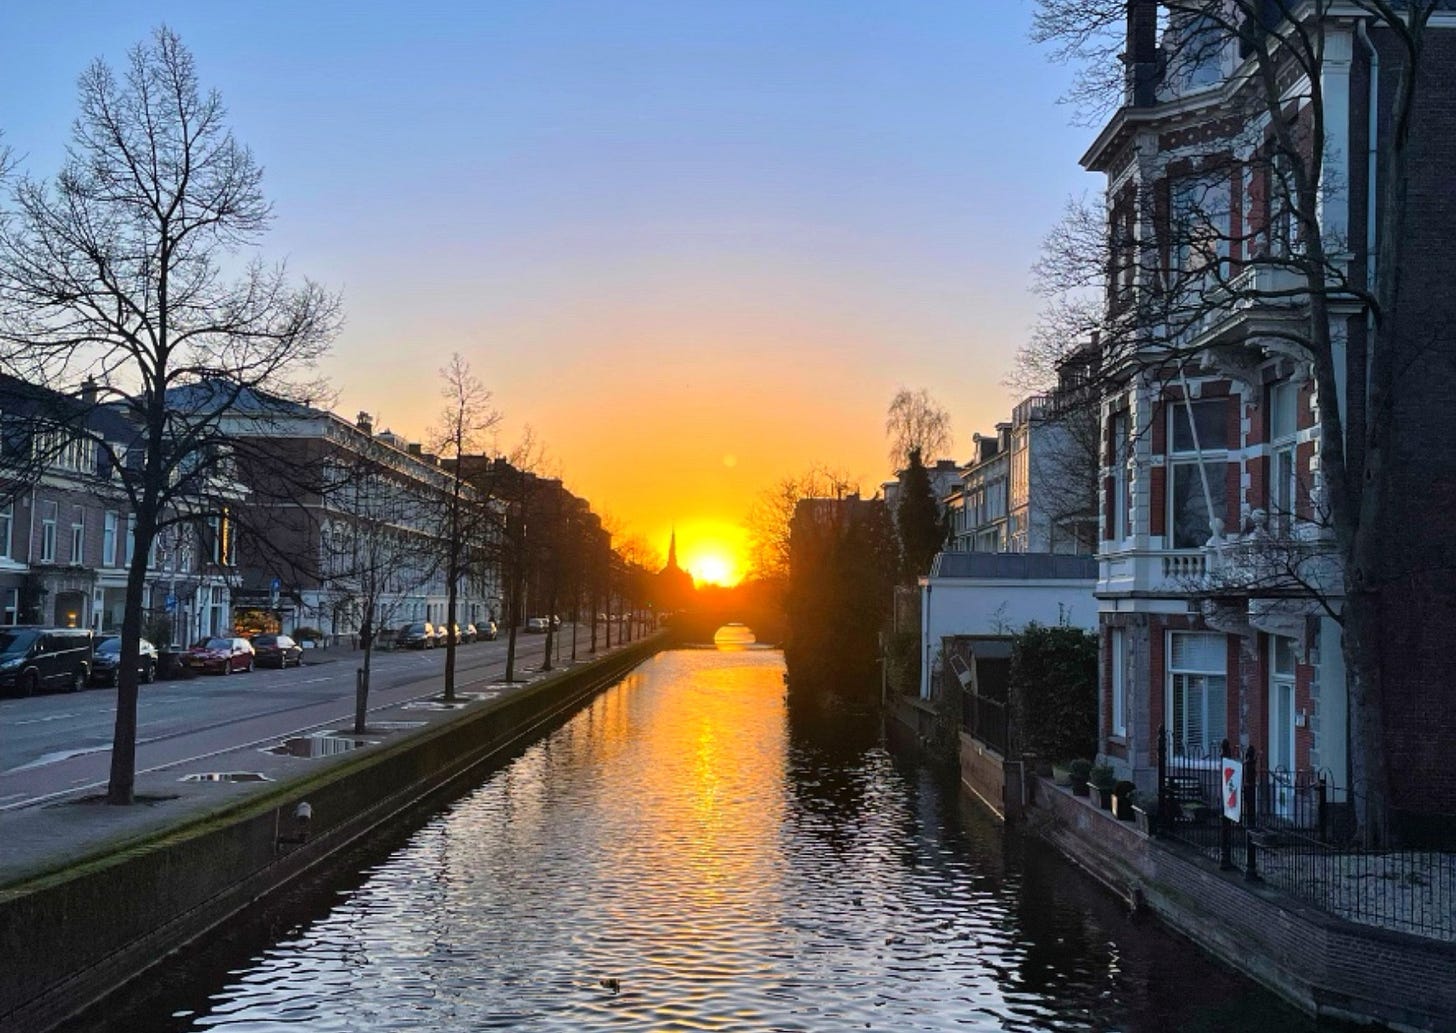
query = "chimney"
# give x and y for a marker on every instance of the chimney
(88, 392)
(414, 448)
(365, 422)
(1141, 56)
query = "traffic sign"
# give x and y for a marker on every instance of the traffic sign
(170, 603)
(1233, 789)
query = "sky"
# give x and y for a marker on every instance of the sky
(695, 246)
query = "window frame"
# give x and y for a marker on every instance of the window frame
(1189, 459)
(1117, 648)
(1211, 743)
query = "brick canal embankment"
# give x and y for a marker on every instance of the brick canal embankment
(73, 935)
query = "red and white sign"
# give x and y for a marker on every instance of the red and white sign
(1233, 788)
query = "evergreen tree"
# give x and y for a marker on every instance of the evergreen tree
(918, 519)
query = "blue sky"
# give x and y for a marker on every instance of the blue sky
(664, 233)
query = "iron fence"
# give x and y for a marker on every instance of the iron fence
(1309, 838)
(986, 720)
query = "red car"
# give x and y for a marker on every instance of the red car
(277, 651)
(223, 655)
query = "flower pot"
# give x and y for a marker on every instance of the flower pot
(1122, 808)
(1079, 788)
(1144, 820)
(1103, 794)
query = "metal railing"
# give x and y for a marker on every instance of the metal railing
(1303, 835)
(986, 720)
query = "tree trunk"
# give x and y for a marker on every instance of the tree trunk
(450, 633)
(121, 788)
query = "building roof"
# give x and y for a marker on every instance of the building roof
(1015, 566)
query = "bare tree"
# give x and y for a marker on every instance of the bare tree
(1173, 262)
(121, 270)
(377, 554)
(466, 423)
(915, 421)
(772, 512)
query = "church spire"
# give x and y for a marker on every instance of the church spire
(672, 551)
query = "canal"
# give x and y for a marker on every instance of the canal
(681, 855)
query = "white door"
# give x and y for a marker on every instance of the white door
(1281, 724)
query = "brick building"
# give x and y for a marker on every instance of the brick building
(1220, 581)
(66, 529)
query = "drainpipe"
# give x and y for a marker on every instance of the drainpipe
(1372, 114)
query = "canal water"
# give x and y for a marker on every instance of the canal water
(681, 855)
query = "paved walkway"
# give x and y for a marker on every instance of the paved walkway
(40, 839)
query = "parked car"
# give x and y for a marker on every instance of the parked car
(33, 659)
(223, 655)
(469, 633)
(489, 630)
(106, 660)
(277, 651)
(537, 625)
(419, 635)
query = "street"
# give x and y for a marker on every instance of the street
(58, 743)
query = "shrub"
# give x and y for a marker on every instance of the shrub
(1102, 776)
(307, 634)
(1053, 691)
(1078, 770)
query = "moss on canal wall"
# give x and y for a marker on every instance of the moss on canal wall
(71, 936)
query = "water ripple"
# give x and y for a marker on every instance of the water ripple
(676, 858)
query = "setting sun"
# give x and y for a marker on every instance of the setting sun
(711, 567)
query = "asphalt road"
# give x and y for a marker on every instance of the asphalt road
(59, 743)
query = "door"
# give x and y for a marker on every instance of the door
(1281, 725)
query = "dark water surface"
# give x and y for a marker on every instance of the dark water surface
(679, 856)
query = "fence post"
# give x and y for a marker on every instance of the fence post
(1225, 827)
(1251, 812)
(1321, 800)
(1165, 807)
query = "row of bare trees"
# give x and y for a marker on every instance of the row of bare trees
(138, 317)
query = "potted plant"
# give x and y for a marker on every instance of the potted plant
(1077, 772)
(1145, 813)
(1102, 779)
(1124, 795)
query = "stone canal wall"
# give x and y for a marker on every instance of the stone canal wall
(1324, 964)
(70, 938)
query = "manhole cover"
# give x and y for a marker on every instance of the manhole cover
(316, 746)
(226, 776)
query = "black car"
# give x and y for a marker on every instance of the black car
(277, 651)
(106, 660)
(420, 635)
(32, 659)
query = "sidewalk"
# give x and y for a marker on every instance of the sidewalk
(59, 834)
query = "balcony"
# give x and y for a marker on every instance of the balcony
(1261, 296)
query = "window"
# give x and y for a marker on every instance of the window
(78, 540)
(1121, 515)
(108, 540)
(49, 513)
(1197, 692)
(1283, 469)
(7, 517)
(1281, 703)
(1117, 646)
(1199, 227)
(1195, 429)
(130, 538)
(10, 606)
